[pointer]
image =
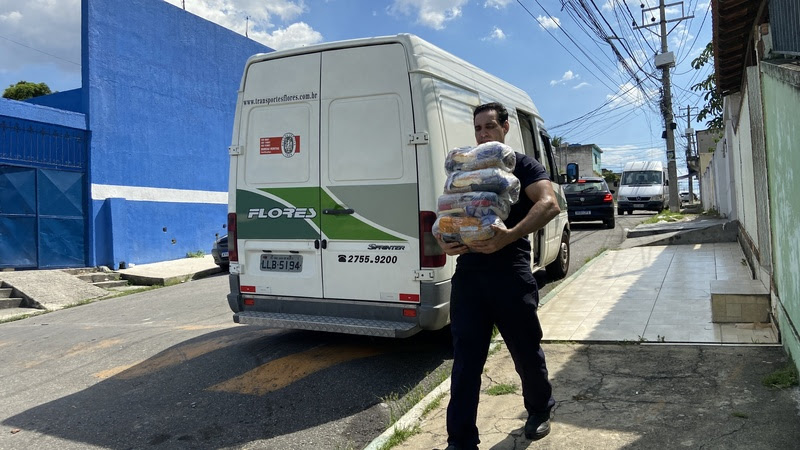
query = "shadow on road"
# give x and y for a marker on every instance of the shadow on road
(209, 392)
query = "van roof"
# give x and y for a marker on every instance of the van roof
(643, 165)
(425, 58)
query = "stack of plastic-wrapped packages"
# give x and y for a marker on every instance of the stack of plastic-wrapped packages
(479, 192)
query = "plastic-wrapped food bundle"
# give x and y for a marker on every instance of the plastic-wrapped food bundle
(475, 204)
(484, 156)
(465, 230)
(489, 180)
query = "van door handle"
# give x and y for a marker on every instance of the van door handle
(338, 212)
(316, 244)
(324, 244)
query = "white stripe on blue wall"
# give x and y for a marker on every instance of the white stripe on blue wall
(163, 195)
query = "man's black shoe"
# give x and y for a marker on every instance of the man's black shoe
(537, 427)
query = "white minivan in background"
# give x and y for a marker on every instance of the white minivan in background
(643, 186)
(336, 166)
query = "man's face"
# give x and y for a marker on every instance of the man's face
(487, 128)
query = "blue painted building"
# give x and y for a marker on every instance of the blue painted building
(137, 158)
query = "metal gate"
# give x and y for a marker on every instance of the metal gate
(43, 199)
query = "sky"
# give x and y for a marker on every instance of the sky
(589, 72)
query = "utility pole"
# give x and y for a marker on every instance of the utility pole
(689, 152)
(664, 61)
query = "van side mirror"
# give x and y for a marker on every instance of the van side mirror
(572, 172)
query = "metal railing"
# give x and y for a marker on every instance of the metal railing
(42, 145)
(784, 17)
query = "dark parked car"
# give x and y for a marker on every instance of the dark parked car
(220, 252)
(589, 198)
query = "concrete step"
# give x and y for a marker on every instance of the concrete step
(5, 292)
(110, 283)
(11, 302)
(85, 270)
(13, 313)
(96, 277)
(739, 301)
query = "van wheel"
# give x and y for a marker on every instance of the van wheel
(558, 268)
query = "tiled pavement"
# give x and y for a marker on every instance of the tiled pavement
(655, 294)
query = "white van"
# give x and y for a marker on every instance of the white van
(336, 165)
(643, 185)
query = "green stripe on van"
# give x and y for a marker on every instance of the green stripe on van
(347, 227)
(257, 218)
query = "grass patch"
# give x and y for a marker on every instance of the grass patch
(664, 216)
(597, 253)
(197, 254)
(495, 349)
(502, 389)
(433, 404)
(781, 378)
(399, 436)
(24, 316)
(400, 404)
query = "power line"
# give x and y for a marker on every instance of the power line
(40, 51)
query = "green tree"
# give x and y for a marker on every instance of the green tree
(610, 177)
(712, 110)
(25, 90)
(557, 141)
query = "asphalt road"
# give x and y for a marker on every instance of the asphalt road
(168, 368)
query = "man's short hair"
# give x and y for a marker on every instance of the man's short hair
(502, 112)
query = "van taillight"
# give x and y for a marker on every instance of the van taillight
(233, 247)
(430, 254)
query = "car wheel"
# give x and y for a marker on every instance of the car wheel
(558, 269)
(609, 222)
(620, 211)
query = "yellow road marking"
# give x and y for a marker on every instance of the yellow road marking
(176, 355)
(281, 372)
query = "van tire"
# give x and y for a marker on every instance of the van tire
(558, 269)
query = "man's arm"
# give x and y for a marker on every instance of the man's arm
(545, 207)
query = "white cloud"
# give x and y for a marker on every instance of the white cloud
(568, 75)
(232, 15)
(496, 35)
(702, 6)
(549, 22)
(430, 13)
(295, 35)
(628, 94)
(581, 85)
(680, 35)
(496, 4)
(615, 156)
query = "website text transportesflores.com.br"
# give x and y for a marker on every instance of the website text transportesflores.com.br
(281, 99)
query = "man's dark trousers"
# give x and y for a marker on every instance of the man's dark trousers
(479, 299)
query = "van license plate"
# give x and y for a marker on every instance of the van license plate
(638, 205)
(282, 263)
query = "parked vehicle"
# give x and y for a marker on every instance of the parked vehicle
(590, 199)
(220, 252)
(687, 198)
(643, 185)
(336, 166)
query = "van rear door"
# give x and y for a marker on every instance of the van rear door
(328, 206)
(368, 173)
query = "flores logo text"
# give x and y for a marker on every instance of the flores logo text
(275, 213)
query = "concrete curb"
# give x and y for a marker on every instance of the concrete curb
(145, 280)
(414, 414)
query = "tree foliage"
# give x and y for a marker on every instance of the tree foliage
(712, 110)
(557, 141)
(25, 90)
(610, 177)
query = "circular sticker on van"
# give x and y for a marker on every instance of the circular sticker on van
(287, 145)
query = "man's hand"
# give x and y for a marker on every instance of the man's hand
(453, 248)
(501, 238)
